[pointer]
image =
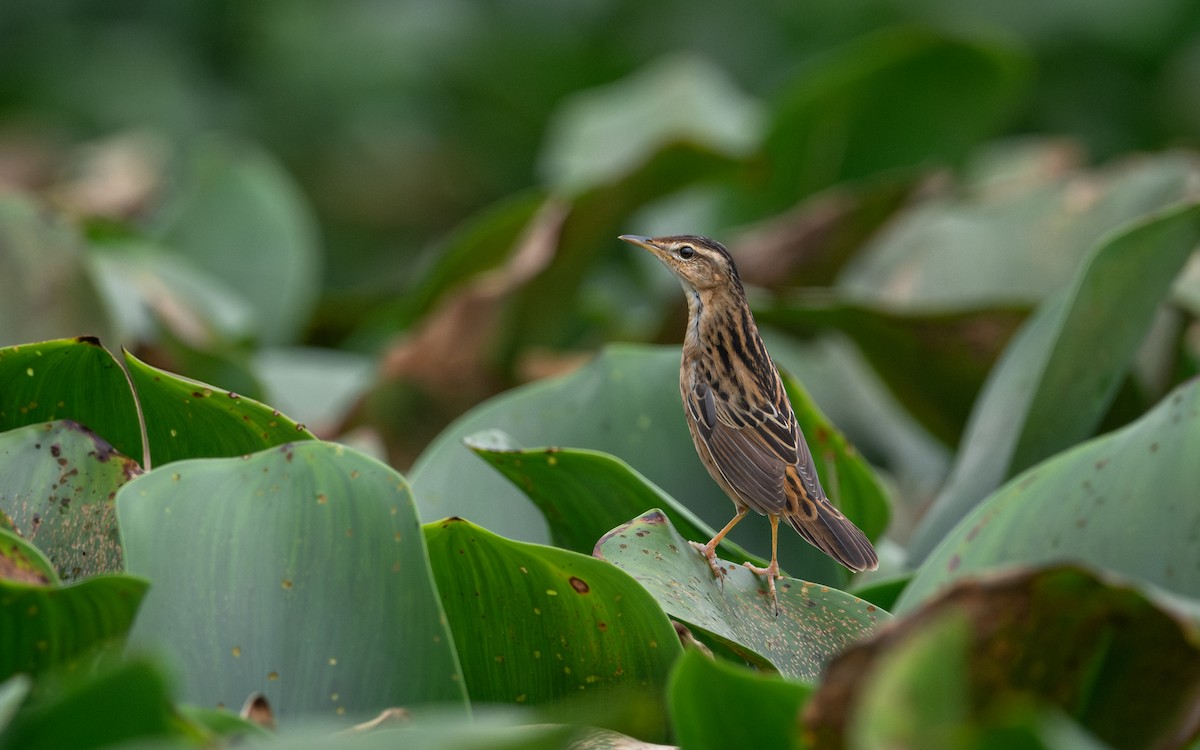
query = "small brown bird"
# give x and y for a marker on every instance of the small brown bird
(739, 414)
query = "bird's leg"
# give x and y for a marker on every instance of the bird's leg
(710, 550)
(772, 570)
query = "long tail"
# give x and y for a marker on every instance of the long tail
(838, 537)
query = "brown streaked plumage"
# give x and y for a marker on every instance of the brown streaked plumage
(739, 414)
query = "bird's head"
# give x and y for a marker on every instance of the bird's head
(700, 263)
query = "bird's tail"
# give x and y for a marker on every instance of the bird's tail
(837, 536)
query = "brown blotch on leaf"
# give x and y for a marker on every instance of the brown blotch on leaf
(580, 585)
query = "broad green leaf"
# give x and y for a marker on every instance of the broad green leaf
(814, 622)
(625, 403)
(1011, 245)
(149, 286)
(1059, 375)
(537, 625)
(934, 362)
(239, 216)
(59, 482)
(51, 625)
(313, 587)
(482, 243)
(22, 562)
(933, 96)
(189, 419)
(718, 705)
(74, 379)
(602, 134)
(585, 494)
(1120, 660)
(45, 289)
(1124, 502)
(128, 703)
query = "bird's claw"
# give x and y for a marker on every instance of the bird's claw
(771, 572)
(710, 554)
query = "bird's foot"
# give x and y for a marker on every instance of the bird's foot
(771, 572)
(710, 554)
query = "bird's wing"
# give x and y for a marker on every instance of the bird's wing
(752, 445)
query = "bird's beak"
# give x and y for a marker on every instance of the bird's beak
(636, 239)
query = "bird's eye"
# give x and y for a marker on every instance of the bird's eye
(687, 252)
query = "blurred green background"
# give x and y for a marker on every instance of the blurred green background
(379, 213)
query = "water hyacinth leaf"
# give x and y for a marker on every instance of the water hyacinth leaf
(623, 402)
(934, 96)
(1057, 378)
(469, 250)
(536, 625)
(61, 481)
(22, 562)
(626, 403)
(604, 134)
(1121, 661)
(240, 217)
(189, 419)
(1124, 502)
(988, 246)
(76, 379)
(716, 705)
(51, 625)
(315, 588)
(814, 622)
(45, 288)
(934, 362)
(585, 494)
(124, 704)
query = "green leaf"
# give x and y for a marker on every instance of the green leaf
(240, 217)
(625, 403)
(125, 704)
(934, 362)
(60, 480)
(536, 625)
(1006, 244)
(814, 622)
(314, 586)
(1057, 378)
(1124, 502)
(933, 96)
(485, 241)
(603, 134)
(48, 626)
(20, 561)
(189, 419)
(718, 705)
(585, 494)
(74, 379)
(45, 289)
(990, 655)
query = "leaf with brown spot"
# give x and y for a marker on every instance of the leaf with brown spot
(61, 479)
(814, 622)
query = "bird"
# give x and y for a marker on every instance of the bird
(739, 415)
